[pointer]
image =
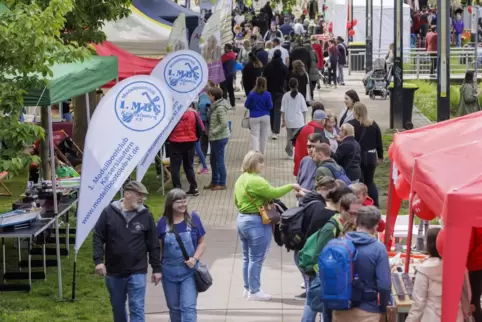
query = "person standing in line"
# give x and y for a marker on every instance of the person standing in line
(330, 130)
(351, 97)
(259, 103)
(178, 273)
(252, 191)
(348, 154)
(342, 54)
(276, 74)
(293, 113)
(369, 136)
(307, 170)
(182, 141)
(218, 137)
(123, 235)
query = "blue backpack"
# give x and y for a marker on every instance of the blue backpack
(336, 274)
(338, 174)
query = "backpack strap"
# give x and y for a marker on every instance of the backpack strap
(334, 222)
(331, 168)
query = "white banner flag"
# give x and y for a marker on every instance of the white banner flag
(178, 35)
(125, 123)
(185, 73)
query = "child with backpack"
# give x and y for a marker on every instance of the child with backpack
(308, 256)
(365, 295)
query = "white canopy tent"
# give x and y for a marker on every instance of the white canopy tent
(359, 13)
(138, 34)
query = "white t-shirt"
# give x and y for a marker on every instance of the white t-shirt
(284, 53)
(299, 29)
(238, 19)
(293, 109)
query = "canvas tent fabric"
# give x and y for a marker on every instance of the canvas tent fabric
(129, 64)
(139, 34)
(442, 163)
(340, 11)
(73, 79)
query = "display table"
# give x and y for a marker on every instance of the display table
(36, 232)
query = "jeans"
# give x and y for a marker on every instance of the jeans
(308, 314)
(228, 89)
(259, 127)
(200, 154)
(183, 153)
(255, 240)
(476, 286)
(204, 139)
(181, 298)
(121, 288)
(275, 113)
(341, 78)
(218, 167)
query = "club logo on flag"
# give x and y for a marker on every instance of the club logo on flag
(140, 106)
(184, 74)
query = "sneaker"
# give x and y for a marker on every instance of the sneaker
(245, 293)
(203, 171)
(193, 192)
(300, 297)
(217, 188)
(274, 136)
(209, 186)
(260, 296)
(303, 286)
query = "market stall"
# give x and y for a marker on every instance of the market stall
(67, 80)
(439, 164)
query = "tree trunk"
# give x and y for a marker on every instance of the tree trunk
(80, 116)
(44, 145)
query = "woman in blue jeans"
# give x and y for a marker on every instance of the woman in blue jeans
(218, 137)
(252, 191)
(177, 273)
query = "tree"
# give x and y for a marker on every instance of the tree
(30, 43)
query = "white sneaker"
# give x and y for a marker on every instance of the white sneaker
(260, 296)
(245, 293)
(274, 137)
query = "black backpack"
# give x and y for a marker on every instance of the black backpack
(291, 227)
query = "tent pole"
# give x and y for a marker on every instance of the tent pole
(162, 170)
(56, 207)
(87, 107)
(388, 230)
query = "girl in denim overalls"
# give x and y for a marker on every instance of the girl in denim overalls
(177, 273)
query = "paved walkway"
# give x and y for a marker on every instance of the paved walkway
(280, 277)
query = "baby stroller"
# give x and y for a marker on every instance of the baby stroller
(376, 80)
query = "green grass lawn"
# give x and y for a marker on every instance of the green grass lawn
(42, 303)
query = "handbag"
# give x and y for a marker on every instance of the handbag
(245, 120)
(202, 277)
(269, 212)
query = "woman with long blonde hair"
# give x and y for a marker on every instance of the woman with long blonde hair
(369, 136)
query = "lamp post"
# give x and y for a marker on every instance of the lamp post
(397, 106)
(369, 36)
(443, 63)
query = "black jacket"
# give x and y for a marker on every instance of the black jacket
(126, 242)
(276, 74)
(302, 54)
(348, 155)
(312, 210)
(249, 75)
(371, 140)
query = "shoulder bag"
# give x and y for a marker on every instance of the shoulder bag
(269, 212)
(202, 276)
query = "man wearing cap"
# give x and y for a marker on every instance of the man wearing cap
(124, 234)
(315, 126)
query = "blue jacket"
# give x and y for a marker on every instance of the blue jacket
(286, 29)
(204, 101)
(258, 104)
(373, 269)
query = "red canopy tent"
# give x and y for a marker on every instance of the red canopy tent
(129, 64)
(441, 162)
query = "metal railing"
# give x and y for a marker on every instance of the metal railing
(420, 64)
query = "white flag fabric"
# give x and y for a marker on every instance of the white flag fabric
(178, 35)
(125, 123)
(185, 73)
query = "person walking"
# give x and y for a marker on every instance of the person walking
(252, 70)
(229, 63)
(299, 72)
(179, 226)
(342, 53)
(369, 136)
(293, 113)
(276, 74)
(351, 97)
(124, 235)
(431, 48)
(314, 74)
(218, 137)
(469, 95)
(333, 59)
(252, 191)
(182, 141)
(259, 103)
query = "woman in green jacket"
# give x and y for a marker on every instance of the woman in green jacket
(218, 137)
(469, 95)
(252, 191)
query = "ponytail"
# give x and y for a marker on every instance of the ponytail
(293, 83)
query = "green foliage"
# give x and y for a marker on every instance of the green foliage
(30, 43)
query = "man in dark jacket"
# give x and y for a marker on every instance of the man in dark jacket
(301, 53)
(124, 234)
(348, 153)
(342, 54)
(322, 156)
(276, 74)
(229, 63)
(261, 53)
(372, 266)
(286, 28)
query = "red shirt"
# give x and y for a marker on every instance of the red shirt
(474, 261)
(319, 54)
(228, 56)
(431, 41)
(301, 149)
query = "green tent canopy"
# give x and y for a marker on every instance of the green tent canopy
(73, 79)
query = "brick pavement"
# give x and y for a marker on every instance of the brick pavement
(280, 278)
